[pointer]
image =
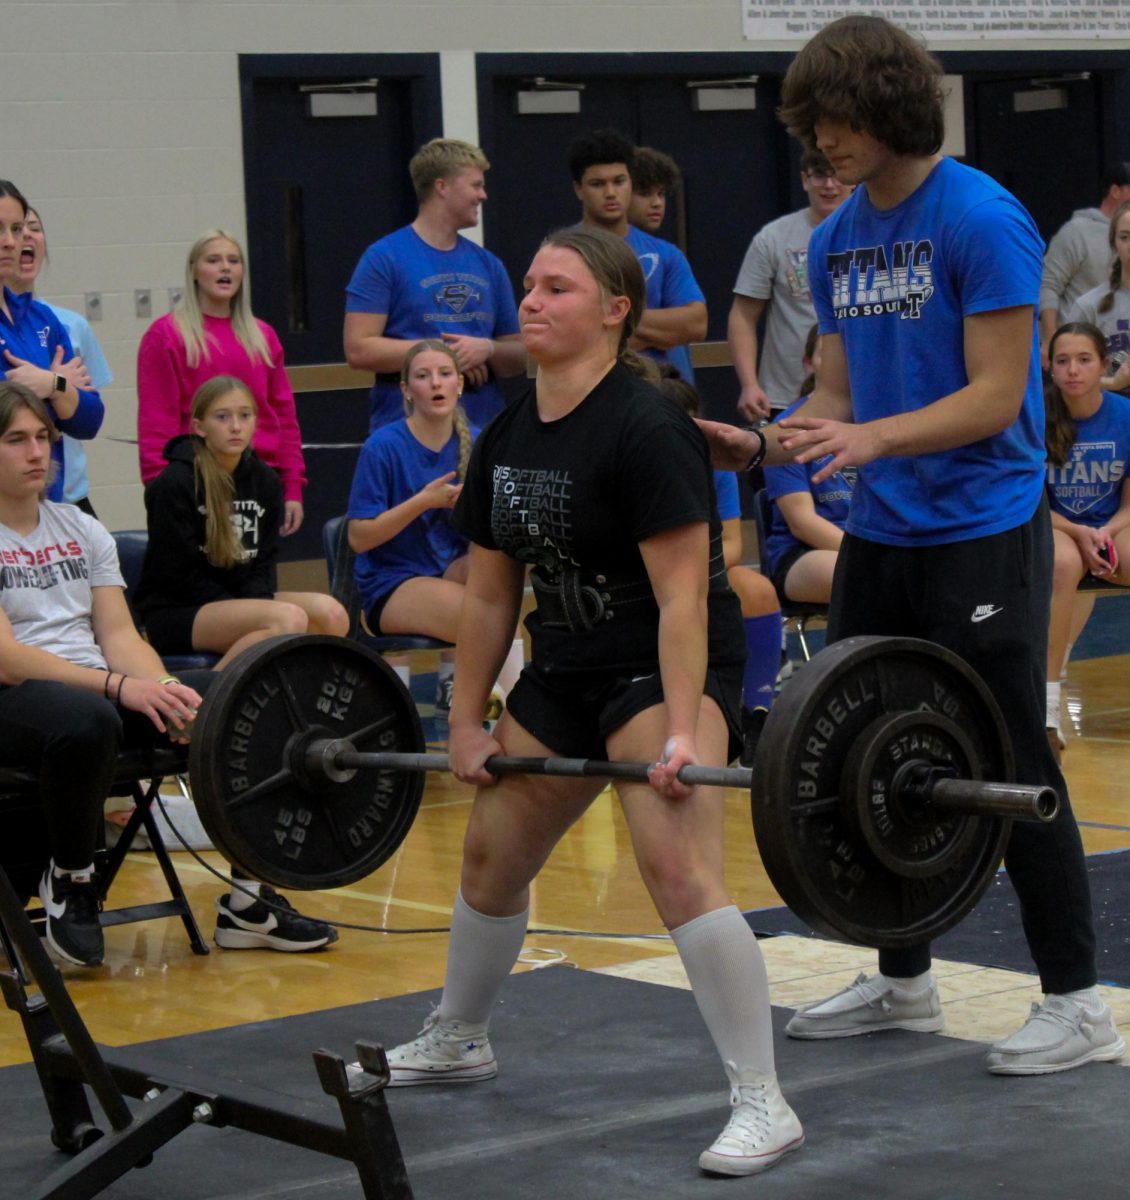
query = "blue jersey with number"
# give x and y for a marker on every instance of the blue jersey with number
(1087, 489)
(897, 285)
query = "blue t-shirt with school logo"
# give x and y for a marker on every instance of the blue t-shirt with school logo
(897, 284)
(424, 293)
(670, 284)
(831, 497)
(1087, 489)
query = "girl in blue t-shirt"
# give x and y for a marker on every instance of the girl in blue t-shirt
(1088, 441)
(411, 564)
(808, 519)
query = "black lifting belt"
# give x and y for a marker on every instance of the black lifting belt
(568, 601)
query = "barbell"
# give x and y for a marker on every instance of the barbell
(880, 791)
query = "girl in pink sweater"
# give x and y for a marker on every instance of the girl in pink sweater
(212, 332)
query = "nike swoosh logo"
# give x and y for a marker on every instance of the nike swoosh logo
(984, 615)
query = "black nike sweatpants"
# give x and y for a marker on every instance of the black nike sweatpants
(988, 600)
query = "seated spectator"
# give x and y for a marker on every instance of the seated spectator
(1078, 256)
(655, 180)
(78, 684)
(214, 513)
(808, 518)
(1088, 442)
(761, 610)
(1108, 305)
(37, 348)
(210, 332)
(33, 258)
(411, 563)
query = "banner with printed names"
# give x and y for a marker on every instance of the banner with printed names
(944, 20)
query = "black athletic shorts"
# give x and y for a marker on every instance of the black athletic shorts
(374, 611)
(169, 630)
(783, 568)
(574, 713)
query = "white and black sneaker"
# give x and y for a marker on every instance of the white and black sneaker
(261, 926)
(71, 905)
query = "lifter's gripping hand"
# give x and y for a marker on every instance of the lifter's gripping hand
(468, 747)
(663, 776)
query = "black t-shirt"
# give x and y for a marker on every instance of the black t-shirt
(582, 492)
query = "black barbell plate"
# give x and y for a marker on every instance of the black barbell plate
(803, 810)
(260, 806)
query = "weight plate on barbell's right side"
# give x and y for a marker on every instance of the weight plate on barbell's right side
(805, 811)
(261, 805)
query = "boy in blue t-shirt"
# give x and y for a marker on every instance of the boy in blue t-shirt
(925, 283)
(426, 281)
(600, 164)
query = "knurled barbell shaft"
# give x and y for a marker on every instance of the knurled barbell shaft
(739, 777)
(1015, 801)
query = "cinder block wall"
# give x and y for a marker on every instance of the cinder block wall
(121, 121)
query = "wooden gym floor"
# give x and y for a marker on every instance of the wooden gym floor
(153, 986)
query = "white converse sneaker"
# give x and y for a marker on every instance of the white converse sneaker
(866, 1006)
(1058, 1035)
(761, 1129)
(444, 1052)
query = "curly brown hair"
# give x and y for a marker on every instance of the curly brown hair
(871, 74)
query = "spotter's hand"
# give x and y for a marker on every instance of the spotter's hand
(809, 438)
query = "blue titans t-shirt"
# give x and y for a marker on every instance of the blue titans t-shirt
(1087, 489)
(424, 293)
(670, 284)
(896, 285)
(393, 466)
(831, 497)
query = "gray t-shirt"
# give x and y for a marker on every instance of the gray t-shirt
(775, 268)
(47, 577)
(1078, 259)
(1115, 322)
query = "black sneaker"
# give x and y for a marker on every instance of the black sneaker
(753, 722)
(71, 905)
(277, 928)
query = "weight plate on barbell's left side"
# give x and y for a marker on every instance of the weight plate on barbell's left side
(806, 808)
(260, 805)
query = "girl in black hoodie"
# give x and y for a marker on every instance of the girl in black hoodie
(209, 582)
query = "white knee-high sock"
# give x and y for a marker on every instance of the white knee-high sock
(727, 973)
(480, 955)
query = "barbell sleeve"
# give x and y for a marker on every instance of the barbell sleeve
(1017, 801)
